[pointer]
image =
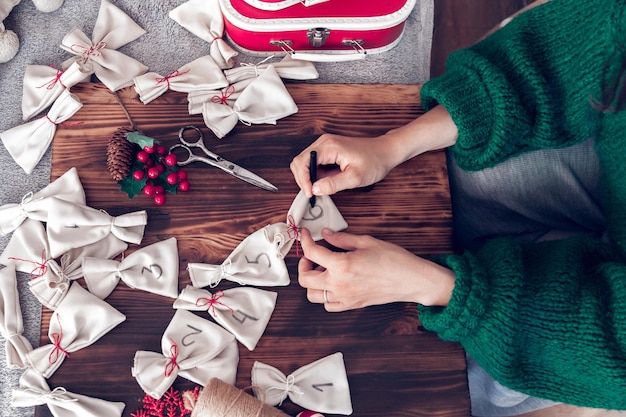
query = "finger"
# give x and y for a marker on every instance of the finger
(314, 252)
(343, 240)
(300, 170)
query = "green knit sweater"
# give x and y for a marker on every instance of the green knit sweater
(549, 318)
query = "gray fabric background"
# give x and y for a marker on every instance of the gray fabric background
(165, 47)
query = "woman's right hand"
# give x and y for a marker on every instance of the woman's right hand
(359, 162)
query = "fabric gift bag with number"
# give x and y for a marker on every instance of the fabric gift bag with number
(244, 312)
(193, 348)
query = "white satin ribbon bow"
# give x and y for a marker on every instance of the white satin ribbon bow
(113, 29)
(28, 251)
(193, 348)
(79, 321)
(293, 69)
(263, 101)
(200, 74)
(244, 312)
(11, 321)
(28, 142)
(34, 390)
(257, 260)
(321, 385)
(35, 206)
(72, 226)
(43, 84)
(204, 19)
(153, 268)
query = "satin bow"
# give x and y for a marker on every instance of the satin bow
(43, 84)
(204, 19)
(264, 100)
(79, 321)
(244, 312)
(321, 385)
(113, 29)
(33, 390)
(35, 206)
(193, 348)
(200, 74)
(293, 69)
(153, 268)
(28, 142)
(257, 260)
(72, 226)
(28, 251)
(11, 322)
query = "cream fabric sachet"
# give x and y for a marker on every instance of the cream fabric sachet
(43, 84)
(257, 260)
(263, 101)
(244, 312)
(200, 74)
(193, 348)
(28, 142)
(321, 385)
(34, 390)
(323, 215)
(153, 268)
(17, 346)
(98, 55)
(71, 226)
(288, 67)
(227, 96)
(35, 206)
(79, 321)
(49, 280)
(204, 19)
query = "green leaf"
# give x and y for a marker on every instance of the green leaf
(130, 185)
(140, 139)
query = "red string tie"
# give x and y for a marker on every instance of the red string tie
(53, 357)
(57, 79)
(94, 50)
(294, 232)
(226, 93)
(166, 79)
(214, 39)
(171, 363)
(210, 303)
(64, 124)
(40, 267)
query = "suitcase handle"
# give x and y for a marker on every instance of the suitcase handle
(359, 52)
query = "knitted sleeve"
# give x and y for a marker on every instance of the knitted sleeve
(547, 319)
(528, 85)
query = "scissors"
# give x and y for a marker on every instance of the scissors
(216, 160)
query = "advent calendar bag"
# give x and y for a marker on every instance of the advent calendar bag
(315, 30)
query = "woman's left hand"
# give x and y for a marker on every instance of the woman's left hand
(369, 272)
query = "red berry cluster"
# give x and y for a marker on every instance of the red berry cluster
(161, 171)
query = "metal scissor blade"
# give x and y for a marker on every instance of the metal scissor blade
(244, 175)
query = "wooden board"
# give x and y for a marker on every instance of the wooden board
(395, 367)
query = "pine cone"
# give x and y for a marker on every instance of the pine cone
(121, 154)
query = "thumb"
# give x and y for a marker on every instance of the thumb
(341, 240)
(334, 183)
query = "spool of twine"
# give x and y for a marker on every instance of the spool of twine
(220, 399)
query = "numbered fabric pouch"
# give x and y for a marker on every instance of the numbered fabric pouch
(314, 30)
(153, 268)
(16, 346)
(324, 214)
(244, 312)
(321, 385)
(193, 348)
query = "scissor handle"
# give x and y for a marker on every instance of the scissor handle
(190, 156)
(199, 141)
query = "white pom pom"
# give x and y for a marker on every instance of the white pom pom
(47, 6)
(9, 44)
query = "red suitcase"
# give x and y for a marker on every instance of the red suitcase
(331, 30)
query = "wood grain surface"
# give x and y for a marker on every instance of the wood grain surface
(395, 367)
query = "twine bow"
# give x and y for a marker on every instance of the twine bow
(289, 388)
(210, 303)
(86, 52)
(57, 79)
(225, 95)
(40, 267)
(172, 365)
(56, 338)
(54, 395)
(166, 79)
(294, 232)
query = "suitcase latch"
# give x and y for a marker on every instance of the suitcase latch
(317, 36)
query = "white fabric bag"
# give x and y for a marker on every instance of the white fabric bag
(17, 346)
(193, 348)
(245, 312)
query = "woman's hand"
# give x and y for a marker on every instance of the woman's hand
(370, 272)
